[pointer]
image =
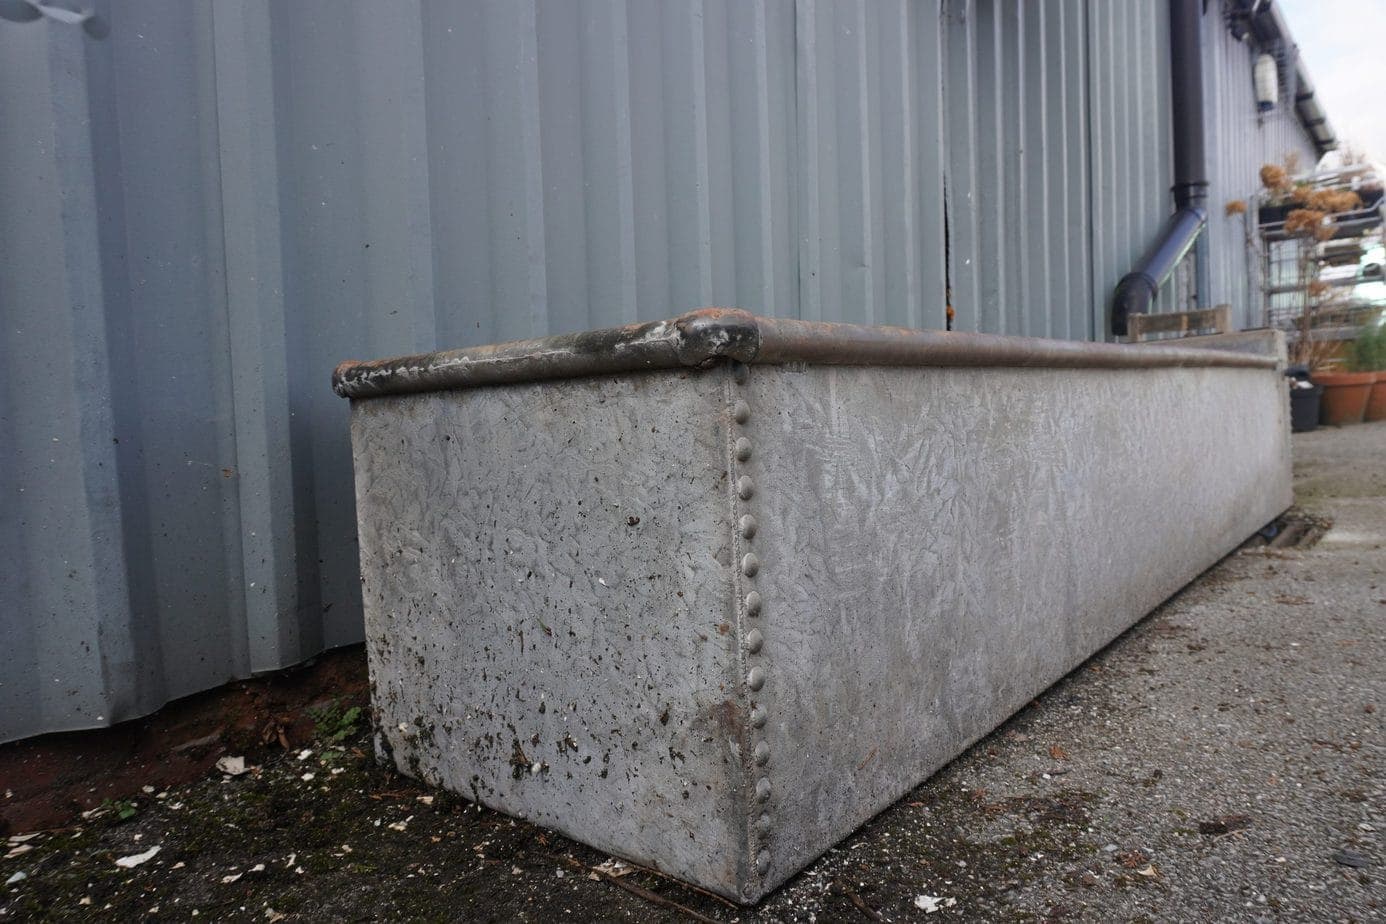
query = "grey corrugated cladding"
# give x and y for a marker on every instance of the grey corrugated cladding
(207, 209)
(1240, 142)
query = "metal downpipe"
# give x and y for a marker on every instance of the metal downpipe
(1136, 291)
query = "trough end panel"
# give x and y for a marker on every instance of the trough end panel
(546, 573)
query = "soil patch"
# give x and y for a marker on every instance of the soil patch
(47, 781)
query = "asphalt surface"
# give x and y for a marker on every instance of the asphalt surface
(1223, 760)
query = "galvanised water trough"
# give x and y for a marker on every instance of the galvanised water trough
(708, 593)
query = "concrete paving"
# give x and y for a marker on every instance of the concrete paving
(1223, 760)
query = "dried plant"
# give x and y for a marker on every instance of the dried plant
(1310, 351)
(1333, 200)
(1308, 221)
(1235, 207)
(1276, 180)
(1349, 154)
(1318, 288)
(1309, 348)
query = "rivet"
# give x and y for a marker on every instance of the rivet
(758, 716)
(756, 678)
(762, 753)
(763, 790)
(754, 640)
(743, 449)
(753, 604)
(750, 564)
(763, 862)
(748, 526)
(745, 487)
(740, 372)
(763, 823)
(741, 412)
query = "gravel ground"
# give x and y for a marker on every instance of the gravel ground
(1223, 760)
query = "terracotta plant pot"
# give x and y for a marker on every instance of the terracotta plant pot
(1376, 404)
(1345, 395)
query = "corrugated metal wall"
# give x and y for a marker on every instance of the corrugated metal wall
(1059, 158)
(206, 210)
(1240, 140)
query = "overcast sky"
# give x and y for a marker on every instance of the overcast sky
(1340, 41)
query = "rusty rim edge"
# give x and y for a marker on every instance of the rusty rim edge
(712, 335)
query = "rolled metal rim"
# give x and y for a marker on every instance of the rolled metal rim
(713, 335)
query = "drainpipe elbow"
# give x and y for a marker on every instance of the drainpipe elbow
(1134, 295)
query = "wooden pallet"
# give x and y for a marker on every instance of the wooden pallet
(1209, 320)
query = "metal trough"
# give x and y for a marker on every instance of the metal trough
(709, 593)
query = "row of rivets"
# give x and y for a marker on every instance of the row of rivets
(754, 639)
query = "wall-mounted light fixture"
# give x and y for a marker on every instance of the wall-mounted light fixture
(1266, 77)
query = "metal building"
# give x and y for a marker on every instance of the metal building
(205, 206)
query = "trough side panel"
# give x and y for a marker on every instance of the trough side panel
(938, 546)
(546, 577)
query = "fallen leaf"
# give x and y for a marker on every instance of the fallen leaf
(135, 859)
(1057, 752)
(613, 868)
(1350, 858)
(1224, 824)
(1150, 872)
(232, 766)
(931, 903)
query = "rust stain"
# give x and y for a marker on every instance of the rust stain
(728, 716)
(868, 760)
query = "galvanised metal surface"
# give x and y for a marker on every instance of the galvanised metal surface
(209, 207)
(712, 619)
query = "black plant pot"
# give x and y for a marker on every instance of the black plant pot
(1304, 408)
(1273, 214)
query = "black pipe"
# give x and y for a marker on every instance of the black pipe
(1136, 291)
